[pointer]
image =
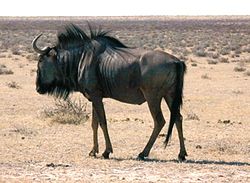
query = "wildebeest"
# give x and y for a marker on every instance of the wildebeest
(100, 66)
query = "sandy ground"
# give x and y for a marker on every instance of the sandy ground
(33, 149)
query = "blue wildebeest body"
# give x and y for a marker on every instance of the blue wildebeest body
(100, 66)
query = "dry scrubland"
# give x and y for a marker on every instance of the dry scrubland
(38, 143)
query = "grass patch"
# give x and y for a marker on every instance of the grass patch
(67, 112)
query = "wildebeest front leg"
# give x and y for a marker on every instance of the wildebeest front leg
(95, 135)
(100, 113)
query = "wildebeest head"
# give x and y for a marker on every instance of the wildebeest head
(49, 80)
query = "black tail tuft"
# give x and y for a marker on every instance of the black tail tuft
(177, 102)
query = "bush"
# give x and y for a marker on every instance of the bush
(67, 112)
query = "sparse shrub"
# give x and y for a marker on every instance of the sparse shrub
(32, 57)
(247, 73)
(4, 70)
(182, 57)
(239, 68)
(237, 51)
(223, 60)
(16, 51)
(3, 66)
(237, 92)
(21, 65)
(190, 44)
(225, 51)
(215, 55)
(23, 131)
(235, 60)
(13, 84)
(211, 61)
(15, 59)
(2, 56)
(205, 76)
(211, 49)
(193, 62)
(246, 49)
(67, 112)
(32, 72)
(246, 60)
(200, 52)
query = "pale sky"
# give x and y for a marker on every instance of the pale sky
(123, 8)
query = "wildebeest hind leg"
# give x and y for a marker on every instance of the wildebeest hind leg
(183, 152)
(154, 104)
(176, 118)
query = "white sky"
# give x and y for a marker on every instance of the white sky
(123, 7)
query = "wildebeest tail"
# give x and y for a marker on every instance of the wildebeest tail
(177, 102)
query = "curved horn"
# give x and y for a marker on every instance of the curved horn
(40, 51)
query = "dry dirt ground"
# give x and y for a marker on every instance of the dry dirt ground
(216, 128)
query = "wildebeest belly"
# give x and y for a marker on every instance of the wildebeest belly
(131, 96)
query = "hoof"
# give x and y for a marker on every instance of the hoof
(105, 155)
(141, 157)
(182, 157)
(92, 153)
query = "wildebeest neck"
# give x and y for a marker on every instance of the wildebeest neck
(67, 64)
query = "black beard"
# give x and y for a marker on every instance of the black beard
(56, 89)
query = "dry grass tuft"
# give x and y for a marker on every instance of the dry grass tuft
(67, 112)
(192, 116)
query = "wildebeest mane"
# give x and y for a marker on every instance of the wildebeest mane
(74, 37)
